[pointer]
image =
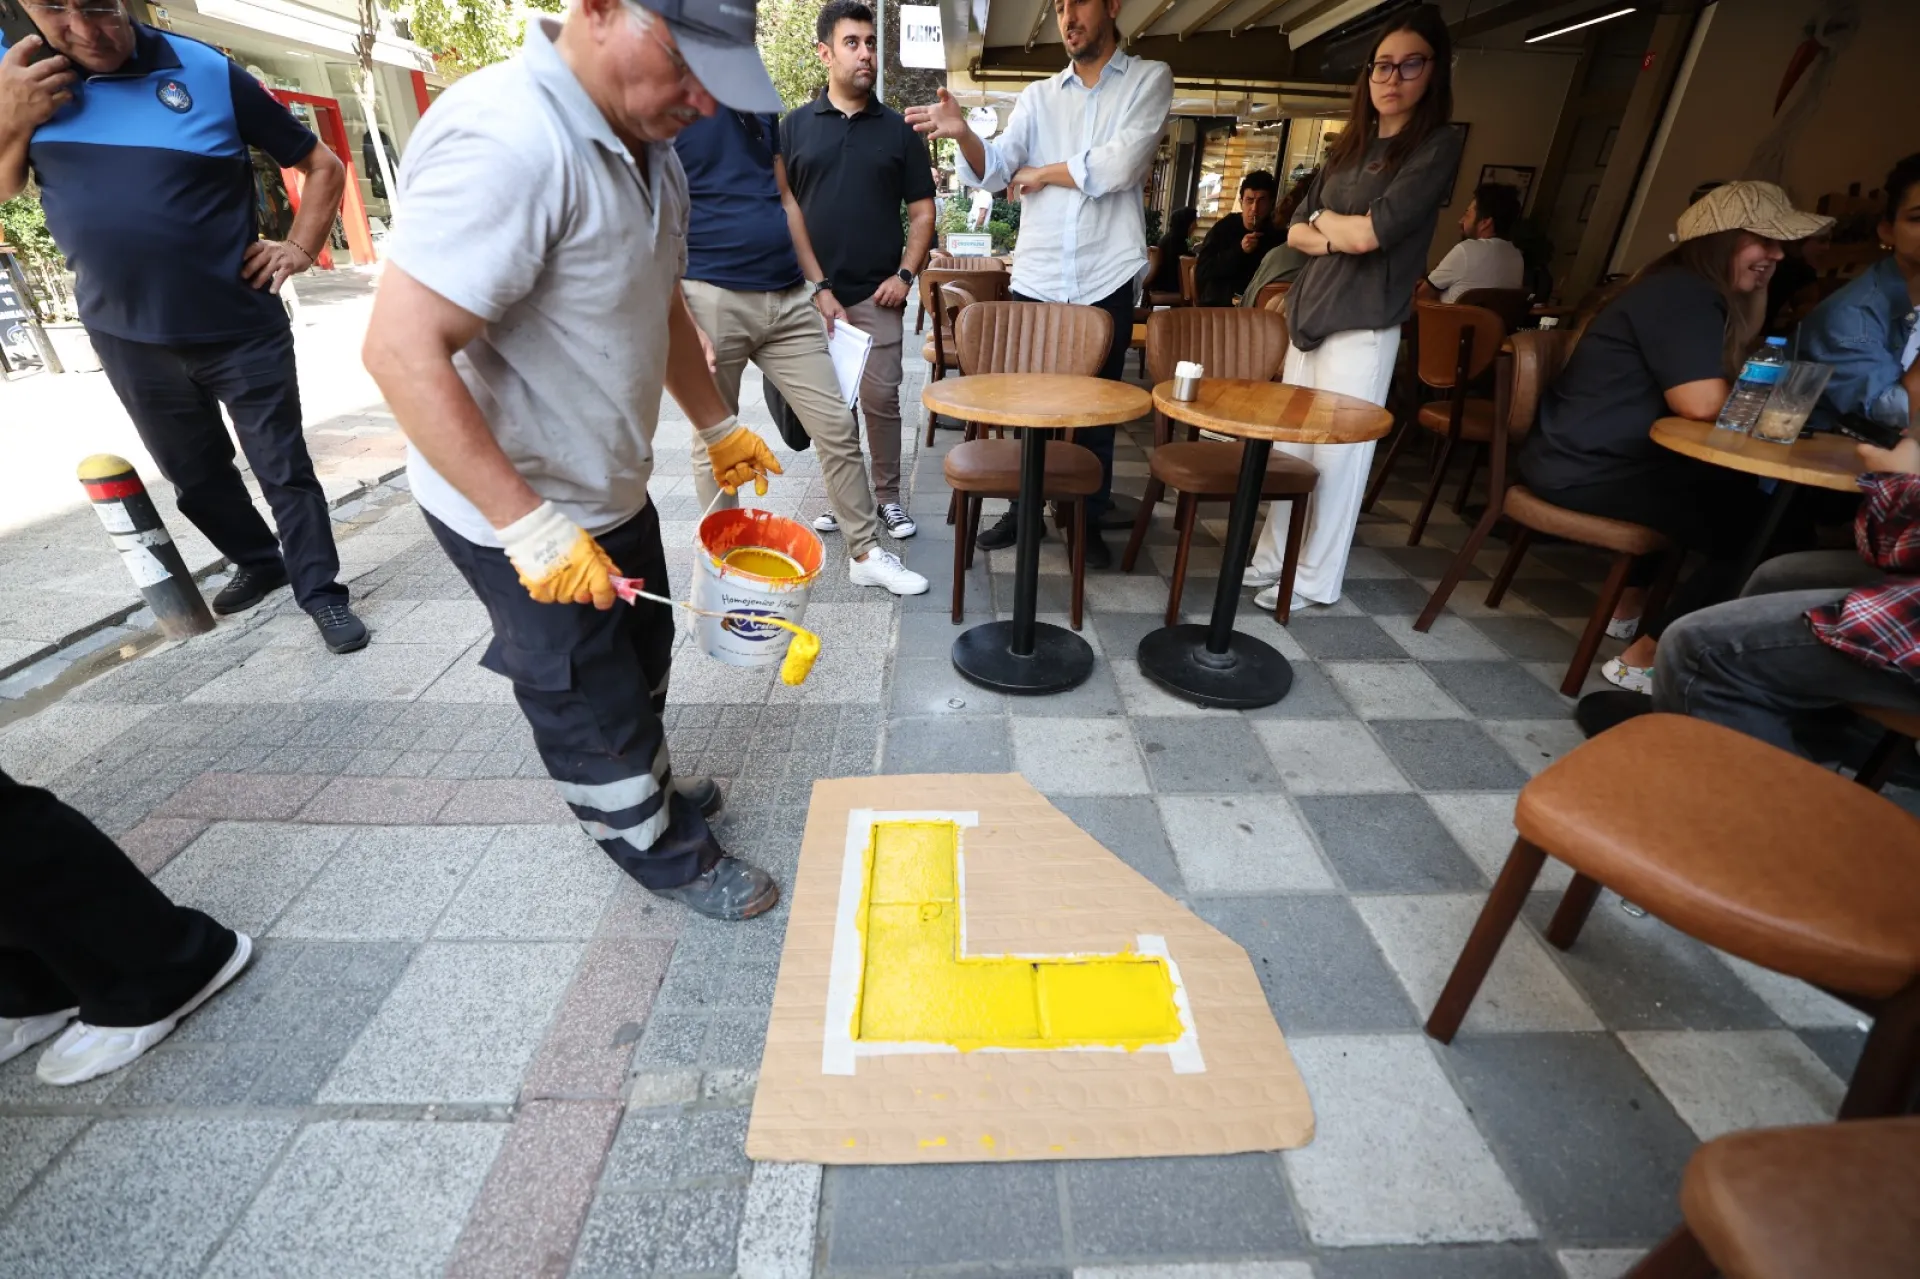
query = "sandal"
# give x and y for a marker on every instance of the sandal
(1635, 679)
(1623, 627)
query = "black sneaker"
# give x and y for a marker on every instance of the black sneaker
(1002, 534)
(1597, 712)
(703, 792)
(1099, 556)
(343, 632)
(729, 889)
(898, 522)
(248, 586)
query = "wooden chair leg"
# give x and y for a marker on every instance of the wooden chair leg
(1443, 590)
(1290, 562)
(1885, 1080)
(1575, 906)
(969, 530)
(919, 318)
(1678, 1256)
(1522, 539)
(1886, 755)
(1489, 931)
(1141, 521)
(1379, 481)
(1183, 517)
(1589, 646)
(960, 565)
(1433, 491)
(1079, 561)
(1474, 460)
(932, 417)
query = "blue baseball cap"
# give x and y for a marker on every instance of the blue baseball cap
(716, 39)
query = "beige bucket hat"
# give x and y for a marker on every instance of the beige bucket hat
(1759, 207)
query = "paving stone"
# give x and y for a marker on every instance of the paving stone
(1590, 1142)
(661, 1232)
(1498, 690)
(1482, 824)
(1312, 696)
(1500, 1261)
(245, 873)
(1448, 755)
(1200, 1270)
(934, 744)
(1340, 757)
(895, 1216)
(1528, 639)
(1840, 1049)
(1449, 639)
(1387, 595)
(534, 882)
(659, 1150)
(379, 801)
(1129, 828)
(1598, 1263)
(239, 797)
(672, 1088)
(671, 1039)
(530, 1209)
(26, 1146)
(1392, 690)
(1395, 1157)
(37, 749)
(460, 1026)
(930, 686)
(1725, 1081)
(734, 1040)
(146, 1196)
(1078, 756)
(587, 1048)
(1388, 843)
(1316, 961)
(1353, 639)
(1213, 756)
(1535, 743)
(1230, 1205)
(1557, 597)
(1097, 696)
(386, 881)
(364, 1197)
(1793, 1001)
(1234, 845)
(1140, 696)
(155, 841)
(777, 1224)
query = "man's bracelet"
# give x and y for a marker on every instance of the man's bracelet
(303, 252)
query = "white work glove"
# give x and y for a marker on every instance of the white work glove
(558, 561)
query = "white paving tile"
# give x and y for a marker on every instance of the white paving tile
(1598, 1263)
(1141, 696)
(245, 873)
(1242, 844)
(1793, 1001)
(1482, 824)
(777, 1225)
(1422, 936)
(386, 881)
(1393, 690)
(1450, 639)
(35, 750)
(534, 882)
(1395, 1157)
(1534, 743)
(1723, 1081)
(1078, 756)
(1201, 1270)
(1329, 757)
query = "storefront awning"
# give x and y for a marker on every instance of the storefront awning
(322, 31)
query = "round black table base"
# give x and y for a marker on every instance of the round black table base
(1250, 673)
(1060, 659)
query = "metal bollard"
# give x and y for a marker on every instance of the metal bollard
(126, 509)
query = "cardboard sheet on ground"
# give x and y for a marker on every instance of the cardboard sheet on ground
(1173, 1049)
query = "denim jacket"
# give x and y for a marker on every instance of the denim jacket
(1865, 332)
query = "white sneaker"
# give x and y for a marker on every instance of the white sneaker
(826, 523)
(1635, 679)
(898, 522)
(86, 1052)
(883, 568)
(1253, 579)
(1623, 627)
(1269, 599)
(17, 1034)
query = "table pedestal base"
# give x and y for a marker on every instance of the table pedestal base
(1250, 673)
(1060, 659)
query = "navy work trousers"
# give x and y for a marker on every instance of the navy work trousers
(174, 394)
(592, 685)
(80, 926)
(1099, 439)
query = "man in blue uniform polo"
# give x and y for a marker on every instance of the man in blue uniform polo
(139, 140)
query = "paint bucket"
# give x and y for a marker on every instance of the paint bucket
(722, 587)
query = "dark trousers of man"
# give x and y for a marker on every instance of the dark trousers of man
(1099, 439)
(174, 394)
(80, 926)
(592, 685)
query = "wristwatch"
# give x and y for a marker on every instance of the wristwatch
(906, 276)
(821, 286)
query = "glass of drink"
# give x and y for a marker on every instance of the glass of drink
(1793, 398)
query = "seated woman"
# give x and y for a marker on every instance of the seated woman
(1174, 245)
(1670, 344)
(1866, 331)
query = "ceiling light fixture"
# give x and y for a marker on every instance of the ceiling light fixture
(1592, 17)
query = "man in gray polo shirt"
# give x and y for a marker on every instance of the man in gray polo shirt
(529, 317)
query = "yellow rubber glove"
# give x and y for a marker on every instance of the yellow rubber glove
(740, 456)
(558, 561)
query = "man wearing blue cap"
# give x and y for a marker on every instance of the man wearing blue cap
(528, 320)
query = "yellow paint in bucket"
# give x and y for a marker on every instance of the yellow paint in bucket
(762, 562)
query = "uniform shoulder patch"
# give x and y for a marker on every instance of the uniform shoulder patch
(174, 96)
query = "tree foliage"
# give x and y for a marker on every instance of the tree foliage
(24, 224)
(465, 35)
(788, 48)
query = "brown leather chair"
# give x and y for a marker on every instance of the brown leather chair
(1520, 381)
(1818, 1202)
(1273, 289)
(1455, 347)
(1742, 845)
(1276, 304)
(1513, 306)
(936, 258)
(1902, 730)
(939, 352)
(1026, 337)
(1189, 291)
(1232, 342)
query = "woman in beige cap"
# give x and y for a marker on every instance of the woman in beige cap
(1671, 343)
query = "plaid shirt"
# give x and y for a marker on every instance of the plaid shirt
(1880, 624)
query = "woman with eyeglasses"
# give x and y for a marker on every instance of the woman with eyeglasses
(1365, 226)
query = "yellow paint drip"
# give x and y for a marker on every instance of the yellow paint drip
(917, 986)
(762, 562)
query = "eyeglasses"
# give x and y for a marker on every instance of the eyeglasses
(687, 82)
(61, 12)
(1411, 68)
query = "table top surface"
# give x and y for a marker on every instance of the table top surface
(1824, 461)
(1275, 411)
(1046, 401)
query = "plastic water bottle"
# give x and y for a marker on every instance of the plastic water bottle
(1750, 393)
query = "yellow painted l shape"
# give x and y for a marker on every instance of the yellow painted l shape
(917, 987)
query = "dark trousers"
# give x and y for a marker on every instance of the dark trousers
(80, 926)
(592, 686)
(174, 394)
(1099, 439)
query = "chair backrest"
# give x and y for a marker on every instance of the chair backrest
(1456, 343)
(1231, 341)
(1188, 291)
(1271, 290)
(1153, 265)
(1513, 306)
(954, 298)
(975, 263)
(939, 257)
(985, 285)
(1520, 384)
(1033, 337)
(1278, 306)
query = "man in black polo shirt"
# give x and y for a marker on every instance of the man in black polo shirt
(852, 161)
(138, 140)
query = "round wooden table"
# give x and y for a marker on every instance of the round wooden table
(1214, 665)
(1823, 461)
(1023, 655)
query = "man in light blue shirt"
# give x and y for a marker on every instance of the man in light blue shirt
(1076, 152)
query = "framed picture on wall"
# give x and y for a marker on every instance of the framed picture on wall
(1517, 176)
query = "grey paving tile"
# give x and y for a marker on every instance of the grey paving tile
(930, 686)
(1590, 1142)
(1386, 595)
(658, 1150)
(1448, 755)
(1216, 755)
(1840, 1049)
(1120, 633)
(1098, 696)
(1392, 690)
(911, 1215)
(534, 882)
(1388, 843)
(933, 744)
(1535, 743)
(1498, 690)
(140, 1196)
(1313, 696)
(1449, 639)
(1129, 828)
(245, 873)
(1321, 757)
(1497, 1261)
(1228, 1206)
(1424, 562)
(1078, 756)
(26, 1144)
(1722, 1081)
(670, 1039)
(1529, 639)
(662, 1232)
(1229, 845)
(1316, 961)
(1557, 597)
(1482, 824)
(1598, 1263)
(386, 881)
(1353, 639)
(460, 1026)
(364, 1197)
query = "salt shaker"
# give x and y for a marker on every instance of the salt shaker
(1186, 380)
